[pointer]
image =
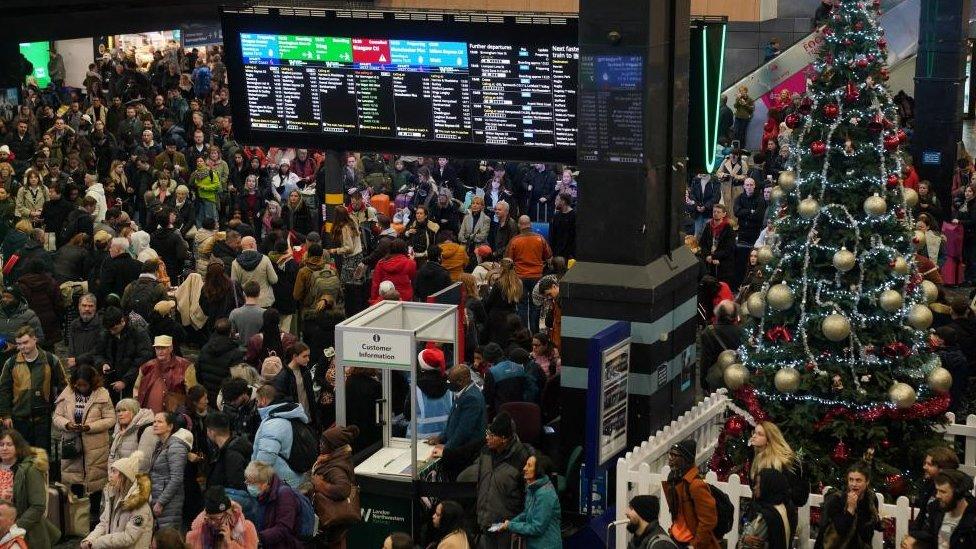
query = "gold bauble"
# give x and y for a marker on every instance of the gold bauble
(787, 380)
(901, 266)
(875, 205)
(931, 291)
(844, 260)
(726, 358)
(939, 380)
(756, 304)
(920, 317)
(779, 297)
(911, 197)
(787, 180)
(836, 327)
(764, 254)
(901, 395)
(735, 376)
(890, 300)
(808, 208)
(776, 194)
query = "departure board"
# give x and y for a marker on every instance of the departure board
(497, 90)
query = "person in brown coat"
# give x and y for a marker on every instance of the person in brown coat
(333, 479)
(84, 414)
(43, 296)
(692, 506)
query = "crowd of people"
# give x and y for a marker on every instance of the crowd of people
(168, 309)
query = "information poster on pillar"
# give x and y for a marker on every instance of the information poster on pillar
(613, 400)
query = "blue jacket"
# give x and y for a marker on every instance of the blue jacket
(272, 443)
(508, 382)
(539, 522)
(467, 420)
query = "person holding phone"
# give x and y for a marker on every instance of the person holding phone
(221, 524)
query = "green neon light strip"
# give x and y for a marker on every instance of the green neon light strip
(711, 130)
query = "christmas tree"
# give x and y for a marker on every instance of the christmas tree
(839, 355)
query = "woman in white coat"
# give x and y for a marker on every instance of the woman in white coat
(126, 521)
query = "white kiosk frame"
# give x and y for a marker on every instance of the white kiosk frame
(385, 337)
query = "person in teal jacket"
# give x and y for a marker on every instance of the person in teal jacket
(539, 521)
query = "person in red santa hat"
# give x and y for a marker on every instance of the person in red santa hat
(434, 399)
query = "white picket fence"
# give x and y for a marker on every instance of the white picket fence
(642, 470)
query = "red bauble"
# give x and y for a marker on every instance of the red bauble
(818, 148)
(848, 42)
(859, 25)
(902, 136)
(885, 73)
(877, 123)
(862, 63)
(891, 142)
(831, 110)
(885, 444)
(735, 426)
(876, 3)
(892, 180)
(897, 486)
(882, 43)
(806, 106)
(900, 213)
(841, 453)
(793, 120)
(828, 32)
(851, 93)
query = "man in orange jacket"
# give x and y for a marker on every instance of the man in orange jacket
(693, 513)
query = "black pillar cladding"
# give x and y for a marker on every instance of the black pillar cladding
(940, 76)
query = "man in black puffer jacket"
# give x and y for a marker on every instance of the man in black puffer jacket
(169, 244)
(216, 357)
(750, 210)
(227, 463)
(144, 292)
(123, 348)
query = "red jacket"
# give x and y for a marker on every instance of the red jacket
(398, 269)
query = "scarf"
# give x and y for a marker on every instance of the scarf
(717, 228)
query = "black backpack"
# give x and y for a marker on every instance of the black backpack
(304, 446)
(724, 511)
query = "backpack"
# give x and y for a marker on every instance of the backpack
(724, 511)
(308, 521)
(323, 281)
(304, 446)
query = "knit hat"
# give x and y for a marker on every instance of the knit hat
(482, 251)
(102, 237)
(501, 426)
(129, 465)
(493, 353)
(431, 359)
(687, 449)
(338, 436)
(215, 500)
(386, 287)
(646, 507)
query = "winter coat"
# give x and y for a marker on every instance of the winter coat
(30, 499)
(83, 336)
(142, 295)
(68, 263)
(431, 278)
(282, 513)
(964, 535)
(228, 463)
(117, 273)
(508, 381)
(362, 390)
(286, 269)
(467, 420)
(31, 251)
(841, 530)
(221, 305)
(20, 315)
(125, 354)
(456, 540)
(473, 233)
(501, 492)
(91, 468)
(166, 470)
(454, 258)
(21, 384)
(288, 389)
(314, 272)
(252, 265)
(128, 440)
(242, 532)
(216, 357)
(692, 499)
(333, 475)
(126, 522)
(43, 296)
(272, 443)
(14, 538)
(538, 523)
(397, 268)
(172, 250)
(724, 251)
(751, 212)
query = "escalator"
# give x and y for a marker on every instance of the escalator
(788, 70)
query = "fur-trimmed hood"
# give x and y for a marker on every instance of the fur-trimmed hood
(138, 494)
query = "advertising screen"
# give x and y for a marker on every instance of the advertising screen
(497, 87)
(38, 55)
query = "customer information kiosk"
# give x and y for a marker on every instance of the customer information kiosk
(388, 336)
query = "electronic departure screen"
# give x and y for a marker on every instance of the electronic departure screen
(459, 85)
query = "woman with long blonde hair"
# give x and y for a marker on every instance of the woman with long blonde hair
(501, 301)
(771, 451)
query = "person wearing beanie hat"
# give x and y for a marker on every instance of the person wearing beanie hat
(221, 524)
(434, 400)
(498, 469)
(642, 514)
(126, 520)
(333, 476)
(692, 506)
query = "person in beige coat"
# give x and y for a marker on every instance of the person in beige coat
(126, 521)
(83, 414)
(133, 431)
(253, 265)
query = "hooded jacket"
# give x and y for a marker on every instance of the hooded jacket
(272, 443)
(14, 538)
(282, 514)
(43, 296)
(398, 269)
(228, 463)
(286, 269)
(454, 258)
(166, 470)
(126, 522)
(252, 265)
(501, 490)
(117, 273)
(242, 532)
(216, 357)
(18, 380)
(19, 315)
(127, 440)
(172, 249)
(30, 499)
(91, 467)
(69, 263)
(287, 387)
